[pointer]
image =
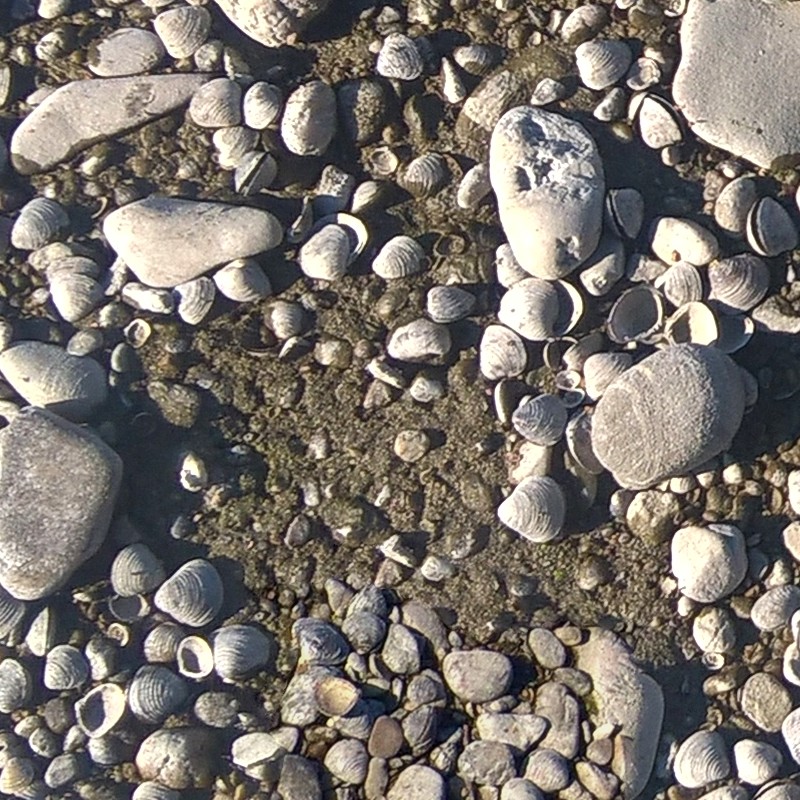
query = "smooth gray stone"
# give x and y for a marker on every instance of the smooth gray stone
(142, 232)
(417, 782)
(83, 113)
(477, 676)
(735, 92)
(627, 697)
(673, 411)
(59, 483)
(559, 707)
(47, 375)
(487, 763)
(521, 731)
(299, 779)
(272, 22)
(126, 51)
(179, 758)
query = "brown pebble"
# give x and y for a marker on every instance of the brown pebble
(386, 738)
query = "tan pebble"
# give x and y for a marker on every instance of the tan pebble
(410, 446)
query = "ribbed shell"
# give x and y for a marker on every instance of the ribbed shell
(136, 570)
(364, 630)
(65, 668)
(100, 710)
(15, 685)
(240, 650)
(255, 172)
(790, 729)
(399, 58)
(183, 30)
(400, 257)
(449, 303)
(659, 123)
(701, 759)
(419, 341)
(101, 654)
(12, 612)
(770, 230)
(501, 353)
(195, 658)
(535, 509)
(756, 762)
(738, 283)
(602, 62)
(194, 299)
(192, 595)
(636, 316)
(681, 284)
(600, 370)
(40, 222)
(347, 760)
(320, 643)
(243, 281)
(477, 59)
(217, 104)
(453, 89)
(262, 105)
(425, 176)
(548, 770)
(326, 254)
(155, 692)
(233, 144)
(150, 790)
(579, 443)
(775, 607)
(286, 318)
(41, 635)
(75, 296)
(540, 419)
(309, 119)
(161, 644)
(733, 204)
(18, 775)
(530, 307)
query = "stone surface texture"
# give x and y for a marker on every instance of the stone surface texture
(272, 22)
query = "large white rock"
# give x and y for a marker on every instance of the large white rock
(736, 91)
(272, 22)
(83, 113)
(548, 177)
(166, 241)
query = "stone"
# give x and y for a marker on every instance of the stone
(668, 414)
(125, 51)
(59, 483)
(299, 779)
(179, 758)
(82, 113)
(487, 763)
(521, 731)
(765, 701)
(385, 738)
(546, 648)
(143, 231)
(272, 22)
(477, 676)
(552, 217)
(417, 782)
(559, 707)
(520, 789)
(652, 515)
(401, 651)
(735, 93)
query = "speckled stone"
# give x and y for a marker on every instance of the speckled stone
(477, 676)
(487, 763)
(765, 701)
(179, 758)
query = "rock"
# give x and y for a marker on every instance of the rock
(386, 738)
(521, 731)
(477, 676)
(141, 232)
(272, 22)
(179, 758)
(668, 414)
(83, 113)
(765, 701)
(59, 483)
(551, 217)
(546, 648)
(299, 779)
(126, 51)
(628, 698)
(734, 92)
(559, 707)
(46, 375)
(401, 651)
(487, 763)
(652, 515)
(417, 783)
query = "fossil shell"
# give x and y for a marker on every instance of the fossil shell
(192, 595)
(733, 204)
(677, 239)
(419, 341)
(347, 760)
(136, 570)
(540, 419)
(738, 283)
(161, 644)
(659, 123)
(255, 172)
(756, 762)
(194, 299)
(65, 668)
(535, 509)
(425, 176)
(449, 303)
(217, 104)
(636, 316)
(183, 30)
(15, 685)
(326, 254)
(309, 119)
(770, 230)
(320, 643)
(624, 211)
(100, 710)
(195, 658)
(399, 58)
(155, 692)
(701, 759)
(243, 281)
(474, 187)
(262, 105)
(400, 257)
(531, 308)
(775, 607)
(602, 62)
(240, 650)
(692, 323)
(600, 370)
(681, 284)
(40, 222)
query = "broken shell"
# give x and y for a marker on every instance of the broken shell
(602, 62)
(15, 686)
(155, 692)
(738, 283)
(677, 239)
(636, 316)
(579, 443)
(136, 570)
(692, 323)
(309, 119)
(147, 298)
(192, 595)
(400, 257)
(336, 696)
(240, 650)
(326, 254)
(136, 332)
(192, 473)
(449, 303)
(40, 222)
(65, 668)
(540, 419)
(101, 709)
(399, 58)
(535, 509)
(262, 105)
(194, 299)
(255, 172)
(195, 658)
(659, 123)
(183, 30)
(624, 211)
(243, 281)
(770, 230)
(217, 104)
(602, 369)
(531, 308)
(701, 759)
(681, 284)
(473, 187)
(756, 762)
(424, 176)
(501, 353)
(733, 204)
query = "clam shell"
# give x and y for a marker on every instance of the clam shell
(791, 664)
(535, 509)
(692, 323)
(240, 650)
(18, 777)
(540, 419)
(337, 696)
(425, 176)
(147, 298)
(161, 644)
(453, 89)
(399, 58)
(192, 473)
(364, 630)
(738, 283)
(233, 144)
(101, 709)
(192, 595)
(326, 254)
(40, 222)
(12, 612)
(243, 281)
(368, 195)
(756, 762)
(155, 692)
(601, 63)
(136, 332)
(790, 729)
(624, 211)
(477, 59)
(136, 570)
(195, 658)
(309, 119)
(677, 239)
(400, 257)
(474, 187)
(353, 226)
(75, 296)
(775, 607)
(183, 30)
(501, 353)
(636, 316)
(262, 105)
(780, 790)
(531, 308)
(41, 635)
(579, 443)
(320, 643)
(770, 230)
(65, 668)
(449, 303)
(15, 686)
(150, 790)
(217, 104)
(681, 284)
(547, 91)
(659, 123)
(347, 760)
(286, 319)
(255, 172)
(734, 333)
(101, 654)
(419, 341)
(600, 370)
(701, 759)
(194, 299)
(733, 204)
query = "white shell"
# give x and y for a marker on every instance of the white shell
(262, 105)
(74, 296)
(770, 230)
(681, 284)
(400, 257)
(756, 762)
(255, 172)
(601, 63)
(41, 635)
(155, 692)
(531, 308)
(449, 303)
(473, 187)
(195, 658)
(15, 686)
(326, 253)
(347, 760)
(791, 664)
(424, 176)
(600, 370)
(659, 123)
(541, 419)
(791, 734)
(192, 595)
(194, 299)
(65, 668)
(677, 239)
(150, 790)
(136, 570)
(453, 89)
(101, 709)
(419, 341)
(738, 283)
(508, 269)
(161, 644)
(399, 58)
(217, 104)
(477, 59)
(285, 318)
(535, 509)
(40, 222)
(146, 298)
(701, 759)
(243, 281)
(309, 119)
(233, 144)
(636, 316)
(183, 30)
(336, 696)
(240, 650)
(733, 204)
(692, 323)
(579, 443)
(18, 778)
(501, 353)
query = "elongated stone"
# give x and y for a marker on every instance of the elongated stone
(272, 22)
(83, 113)
(126, 51)
(142, 232)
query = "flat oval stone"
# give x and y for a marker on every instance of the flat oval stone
(668, 414)
(552, 216)
(477, 676)
(82, 113)
(127, 51)
(765, 701)
(143, 231)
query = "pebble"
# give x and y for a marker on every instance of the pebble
(487, 763)
(64, 770)
(559, 707)
(272, 22)
(417, 782)
(521, 731)
(546, 648)
(299, 779)
(401, 651)
(411, 445)
(125, 51)
(477, 676)
(179, 758)
(765, 701)
(548, 769)
(386, 738)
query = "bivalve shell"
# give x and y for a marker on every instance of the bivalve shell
(217, 104)
(425, 176)
(150, 790)
(326, 254)
(41, 635)
(195, 658)
(18, 777)
(136, 570)
(540, 419)
(337, 696)
(233, 144)
(194, 299)
(419, 341)
(255, 172)
(531, 308)
(738, 283)
(756, 762)
(400, 257)
(262, 105)
(320, 643)
(243, 281)
(364, 630)
(579, 443)
(400, 58)
(347, 760)
(501, 353)
(790, 728)
(600, 370)
(240, 650)
(161, 644)
(449, 303)
(15, 686)
(775, 607)
(681, 284)
(12, 612)
(677, 239)
(192, 595)
(692, 323)
(770, 230)
(309, 119)
(701, 759)
(535, 509)
(625, 211)
(659, 123)
(65, 668)
(155, 692)
(75, 296)
(636, 316)
(183, 30)
(733, 204)
(477, 59)
(40, 222)
(601, 62)
(100, 710)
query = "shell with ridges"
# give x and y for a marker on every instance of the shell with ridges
(775, 607)
(243, 281)
(12, 612)
(326, 253)
(15, 685)
(477, 59)
(501, 353)
(150, 790)
(399, 58)
(18, 777)
(449, 303)
(579, 443)
(136, 570)
(733, 204)
(540, 419)
(600, 370)
(217, 104)
(531, 308)
(182, 30)
(738, 283)
(161, 645)
(400, 257)
(756, 762)
(701, 759)
(65, 668)
(535, 509)
(194, 299)
(75, 296)
(100, 710)
(41, 635)
(770, 230)
(424, 176)
(348, 760)
(602, 62)
(240, 650)
(262, 105)
(319, 642)
(192, 595)
(155, 692)
(40, 222)
(681, 284)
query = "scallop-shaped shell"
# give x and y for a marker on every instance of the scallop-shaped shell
(65, 668)
(12, 612)
(400, 257)
(681, 284)
(770, 230)
(541, 419)
(790, 729)
(150, 790)
(183, 30)
(602, 62)
(531, 308)
(101, 709)
(326, 254)
(733, 204)
(254, 173)
(155, 692)
(659, 123)
(41, 635)
(364, 630)
(17, 777)
(756, 762)
(477, 59)
(101, 653)
(600, 370)
(40, 222)
(160, 646)
(624, 211)
(194, 299)
(336, 696)
(473, 187)
(136, 570)
(243, 281)
(738, 283)
(636, 316)
(75, 296)
(15, 685)
(579, 443)
(367, 195)
(240, 650)
(535, 509)
(399, 58)
(693, 323)
(356, 231)
(195, 658)
(701, 759)
(425, 176)
(501, 353)
(347, 760)
(285, 318)
(319, 642)
(233, 144)
(449, 303)
(192, 595)
(217, 104)
(309, 119)
(677, 239)
(262, 105)
(775, 607)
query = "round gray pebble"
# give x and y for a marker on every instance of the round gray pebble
(477, 676)
(546, 648)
